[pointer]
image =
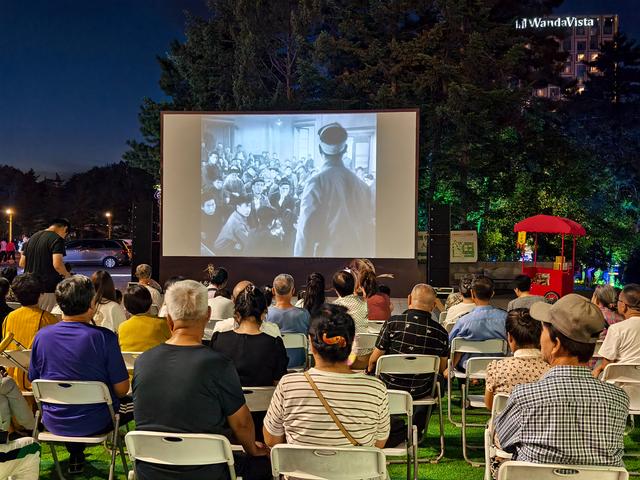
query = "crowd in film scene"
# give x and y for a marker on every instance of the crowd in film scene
(217, 341)
(258, 204)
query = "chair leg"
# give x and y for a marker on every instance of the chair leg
(56, 462)
(124, 459)
(114, 447)
(441, 421)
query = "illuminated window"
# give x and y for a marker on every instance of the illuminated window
(593, 70)
(580, 57)
(567, 68)
(594, 56)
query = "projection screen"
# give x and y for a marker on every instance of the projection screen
(289, 185)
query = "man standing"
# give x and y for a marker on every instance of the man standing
(207, 395)
(414, 332)
(43, 256)
(567, 417)
(336, 218)
(524, 298)
(622, 343)
(290, 319)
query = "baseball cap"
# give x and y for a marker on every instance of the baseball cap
(573, 315)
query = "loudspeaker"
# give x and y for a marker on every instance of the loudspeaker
(439, 245)
(142, 222)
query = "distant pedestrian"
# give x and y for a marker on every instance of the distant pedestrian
(11, 251)
(3, 250)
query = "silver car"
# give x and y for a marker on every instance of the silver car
(108, 253)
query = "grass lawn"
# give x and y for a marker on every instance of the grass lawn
(451, 467)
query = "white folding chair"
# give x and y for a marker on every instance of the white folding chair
(460, 345)
(442, 317)
(67, 392)
(328, 463)
(374, 326)
(258, 398)
(627, 377)
(14, 305)
(297, 340)
(365, 341)
(401, 403)
(130, 359)
(179, 449)
(476, 370)
(154, 310)
(499, 403)
(513, 470)
(20, 358)
(417, 365)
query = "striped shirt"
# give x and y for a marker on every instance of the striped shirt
(356, 307)
(359, 401)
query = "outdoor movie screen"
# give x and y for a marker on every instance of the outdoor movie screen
(322, 185)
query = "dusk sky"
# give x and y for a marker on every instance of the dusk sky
(73, 73)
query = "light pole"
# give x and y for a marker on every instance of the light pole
(10, 213)
(108, 215)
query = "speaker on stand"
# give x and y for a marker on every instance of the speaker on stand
(438, 253)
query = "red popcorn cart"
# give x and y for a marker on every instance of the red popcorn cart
(552, 283)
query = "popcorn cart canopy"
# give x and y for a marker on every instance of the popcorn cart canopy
(549, 224)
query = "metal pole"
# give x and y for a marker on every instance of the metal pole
(10, 226)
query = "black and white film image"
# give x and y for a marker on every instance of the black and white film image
(290, 185)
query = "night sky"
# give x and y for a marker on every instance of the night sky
(73, 73)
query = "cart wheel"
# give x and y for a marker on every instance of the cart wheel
(551, 297)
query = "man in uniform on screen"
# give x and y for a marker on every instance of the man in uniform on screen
(336, 216)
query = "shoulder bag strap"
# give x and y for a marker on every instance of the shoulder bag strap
(330, 411)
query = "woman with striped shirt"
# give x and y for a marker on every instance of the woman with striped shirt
(301, 416)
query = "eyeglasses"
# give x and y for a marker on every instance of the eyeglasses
(628, 305)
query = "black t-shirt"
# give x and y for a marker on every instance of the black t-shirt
(40, 247)
(259, 359)
(184, 390)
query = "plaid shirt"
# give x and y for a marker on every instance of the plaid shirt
(568, 418)
(413, 332)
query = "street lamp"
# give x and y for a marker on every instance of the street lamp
(10, 213)
(108, 215)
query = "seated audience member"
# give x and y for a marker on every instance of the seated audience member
(314, 296)
(622, 343)
(260, 359)
(13, 405)
(73, 349)
(604, 296)
(170, 281)
(289, 319)
(10, 273)
(221, 306)
(456, 311)
(142, 331)
(267, 291)
(229, 324)
(109, 313)
(526, 365)
(413, 332)
(297, 415)
(143, 272)
(26, 321)
(378, 303)
(485, 322)
(567, 417)
(209, 398)
(344, 285)
(4, 308)
(524, 298)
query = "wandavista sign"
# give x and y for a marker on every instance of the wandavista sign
(556, 22)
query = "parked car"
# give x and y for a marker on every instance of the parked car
(108, 253)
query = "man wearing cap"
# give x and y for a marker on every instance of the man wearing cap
(567, 417)
(622, 343)
(336, 217)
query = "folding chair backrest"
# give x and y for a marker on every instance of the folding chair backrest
(21, 358)
(407, 364)
(525, 470)
(627, 377)
(374, 326)
(154, 310)
(295, 340)
(179, 448)
(130, 359)
(477, 366)
(442, 317)
(499, 403)
(258, 398)
(328, 463)
(596, 351)
(366, 341)
(64, 392)
(400, 403)
(14, 305)
(495, 345)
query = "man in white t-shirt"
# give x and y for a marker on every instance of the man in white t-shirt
(463, 307)
(622, 343)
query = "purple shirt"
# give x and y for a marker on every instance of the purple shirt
(77, 351)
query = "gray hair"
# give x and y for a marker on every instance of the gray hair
(283, 284)
(186, 300)
(143, 271)
(74, 295)
(606, 295)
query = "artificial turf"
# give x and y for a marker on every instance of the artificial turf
(451, 467)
